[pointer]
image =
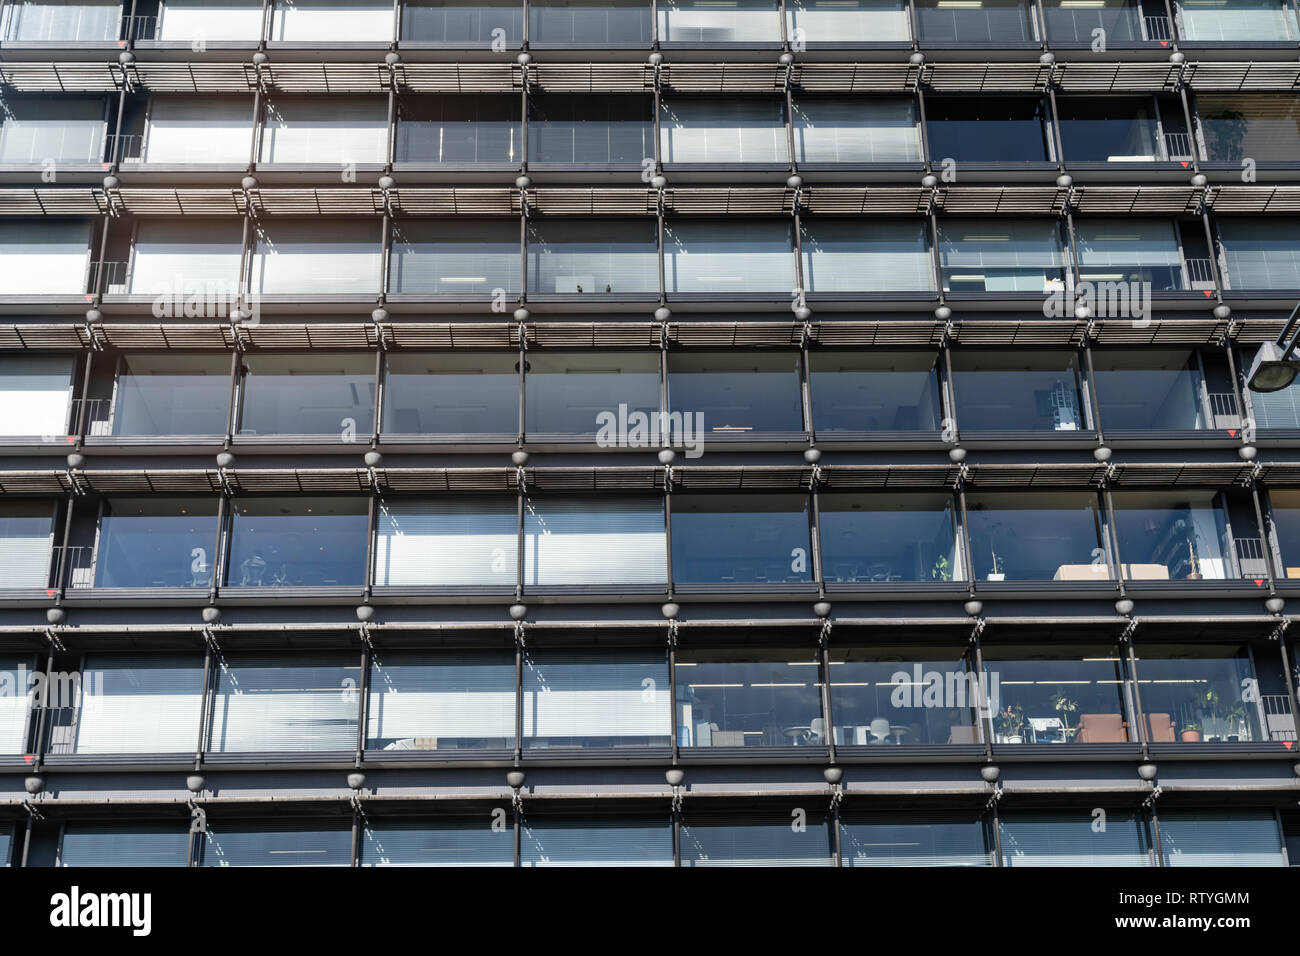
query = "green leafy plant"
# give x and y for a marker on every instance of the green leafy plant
(1011, 720)
(1065, 707)
(942, 570)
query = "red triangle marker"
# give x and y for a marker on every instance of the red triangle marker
(1287, 744)
(1164, 43)
(1185, 164)
(1259, 582)
(29, 757)
(71, 439)
(1208, 293)
(1232, 433)
(89, 296)
(49, 592)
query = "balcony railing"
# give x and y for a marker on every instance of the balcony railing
(115, 276)
(99, 415)
(1157, 28)
(1200, 272)
(78, 565)
(1250, 557)
(1178, 146)
(1279, 720)
(125, 148)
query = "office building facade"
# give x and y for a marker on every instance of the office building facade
(663, 432)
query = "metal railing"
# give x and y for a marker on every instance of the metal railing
(1279, 719)
(1200, 272)
(1178, 146)
(78, 565)
(125, 148)
(99, 415)
(1157, 28)
(1250, 557)
(111, 277)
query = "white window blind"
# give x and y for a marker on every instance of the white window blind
(915, 842)
(880, 130)
(716, 130)
(357, 21)
(1223, 20)
(1261, 254)
(137, 704)
(621, 697)
(1001, 252)
(740, 257)
(455, 258)
(758, 844)
(124, 844)
(1073, 839)
(41, 129)
(15, 672)
(1220, 838)
(279, 843)
(50, 257)
(276, 702)
(447, 542)
(422, 702)
(184, 259)
(702, 21)
(189, 20)
(196, 130)
(319, 258)
(833, 21)
(596, 843)
(26, 543)
(37, 21)
(35, 395)
(867, 256)
(332, 130)
(595, 542)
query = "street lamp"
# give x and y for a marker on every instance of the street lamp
(1276, 364)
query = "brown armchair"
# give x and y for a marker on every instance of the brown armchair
(1160, 729)
(1101, 729)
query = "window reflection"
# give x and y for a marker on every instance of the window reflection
(749, 697)
(1037, 537)
(295, 542)
(885, 538)
(895, 695)
(874, 391)
(156, 542)
(452, 393)
(1028, 391)
(610, 699)
(1058, 695)
(914, 839)
(308, 395)
(172, 395)
(741, 539)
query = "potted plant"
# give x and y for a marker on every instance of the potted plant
(942, 570)
(997, 573)
(1010, 722)
(1191, 733)
(1065, 707)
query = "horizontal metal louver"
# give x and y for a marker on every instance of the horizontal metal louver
(596, 478)
(735, 333)
(593, 202)
(61, 77)
(836, 477)
(459, 77)
(1032, 200)
(171, 481)
(591, 77)
(723, 77)
(1243, 76)
(193, 77)
(855, 77)
(1116, 77)
(729, 200)
(741, 477)
(597, 334)
(857, 200)
(986, 77)
(1136, 199)
(427, 335)
(318, 335)
(1036, 476)
(124, 336)
(1161, 331)
(299, 480)
(835, 333)
(33, 482)
(43, 337)
(1217, 475)
(1254, 199)
(1026, 332)
(447, 479)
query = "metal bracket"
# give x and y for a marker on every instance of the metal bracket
(31, 810)
(53, 640)
(1129, 630)
(824, 637)
(520, 640)
(1149, 800)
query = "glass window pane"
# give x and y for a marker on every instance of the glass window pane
(1006, 256)
(737, 392)
(44, 258)
(741, 539)
(594, 542)
(266, 703)
(187, 267)
(611, 699)
(1071, 22)
(1109, 129)
(988, 129)
(26, 543)
(1036, 537)
(1227, 20)
(156, 543)
(728, 257)
(914, 839)
(317, 394)
(35, 395)
(287, 843)
(749, 697)
(762, 841)
(1074, 838)
(594, 22)
(1151, 390)
(855, 130)
(1024, 391)
(6, 845)
(857, 256)
(322, 257)
(1261, 254)
(461, 22)
(1056, 695)
(831, 21)
(1171, 536)
(1220, 838)
(124, 844)
(446, 701)
(455, 258)
(885, 538)
(190, 20)
(896, 695)
(583, 393)
(1115, 255)
(172, 395)
(717, 130)
(988, 23)
(294, 542)
(198, 130)
(42, 129)
(1200, 693)
(458, 129)
(453, 393)
(1284, 510)
(593, 258)
(457, 542)
(45, 21)
(140, 704)
(332, 131)
(586, 130)
(874, 391)
(469, 842)
(597, 842)
(1263, 126)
